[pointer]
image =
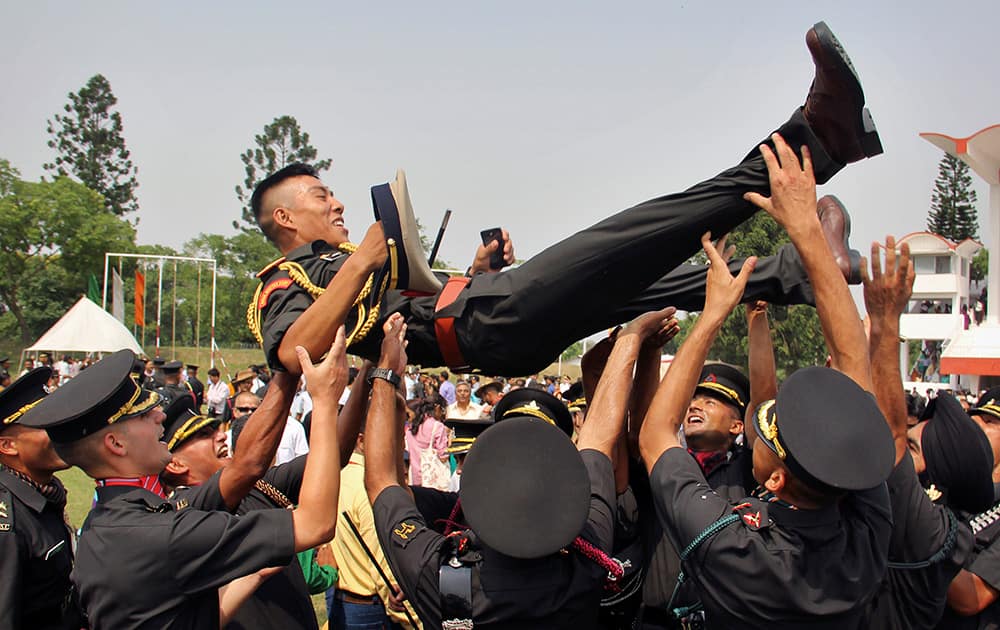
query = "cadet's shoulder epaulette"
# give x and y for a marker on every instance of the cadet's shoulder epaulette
(753, 513)
(296, 274)
(6, 510)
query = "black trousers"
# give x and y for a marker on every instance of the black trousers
(517, 322)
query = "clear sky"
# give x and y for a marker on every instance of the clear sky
(542, 117)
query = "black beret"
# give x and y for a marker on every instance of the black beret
(525, 489)
(828, 431)
(536, 403)
(727, 383)
(23, 394)
(466, 432)
(191, 366)
(159, 361)
(101, 395)
(958, 456)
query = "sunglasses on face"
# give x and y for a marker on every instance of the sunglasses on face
(246, 409)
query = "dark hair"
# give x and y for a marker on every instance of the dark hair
(213, 372)
(237, 428)
(426, 408)
(269, 182)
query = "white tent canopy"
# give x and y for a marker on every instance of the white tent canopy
(86, 328)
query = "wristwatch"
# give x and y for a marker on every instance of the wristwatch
(385, 374)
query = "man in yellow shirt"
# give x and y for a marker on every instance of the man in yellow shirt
(361, 596)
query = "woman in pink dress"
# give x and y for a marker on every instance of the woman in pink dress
(428, 431)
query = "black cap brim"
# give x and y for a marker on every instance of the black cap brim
(103, 394)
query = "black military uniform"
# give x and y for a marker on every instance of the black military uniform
(929, 543)
(170, 392)
(196, 385)
(282, 601)
(609, 273)
(155, 380)
(984, 562)
(501, 573)
(729, 473)
(181, 555)
(766, 563)
(36, 544)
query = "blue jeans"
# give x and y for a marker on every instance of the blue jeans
(347, 616)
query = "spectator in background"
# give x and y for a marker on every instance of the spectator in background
(463, 408)
(352, 375)
(489, 395)
(29, 365)
(445, 388)
(217, 394)
(302, 404)
(427, 431)
(242, 383)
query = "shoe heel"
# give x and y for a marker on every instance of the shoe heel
(871, 144)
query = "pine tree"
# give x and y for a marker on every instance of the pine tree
(282, 143)
(89, 145)
(953, 202)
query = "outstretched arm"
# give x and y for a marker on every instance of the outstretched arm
(315, 518)
(666, 412)
(886, 295)
(606, 414)
(349, 422)
(317, 326)
(763, 377)
(793, 205)
(259, 441)
(383, 434)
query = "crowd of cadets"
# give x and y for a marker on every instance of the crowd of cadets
(710, 497)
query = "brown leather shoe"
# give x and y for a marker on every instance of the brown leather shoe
(835, 107)
(836, 224)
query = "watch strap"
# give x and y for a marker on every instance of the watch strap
(385, 374)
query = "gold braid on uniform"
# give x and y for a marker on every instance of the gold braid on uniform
(299, 276)
(272, 493)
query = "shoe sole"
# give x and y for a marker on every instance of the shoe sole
(870, 142)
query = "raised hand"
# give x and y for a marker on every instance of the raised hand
(723, 291)
(393, 354)
(793, 186)
(481, 261)
(886, 293)
(372, 248)
(327, 379)
(655, 328)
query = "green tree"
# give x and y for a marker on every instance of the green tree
(53, 235)
(980, 265)
(281, 143)
(953, 202)
(795, 330)
(89, 145)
